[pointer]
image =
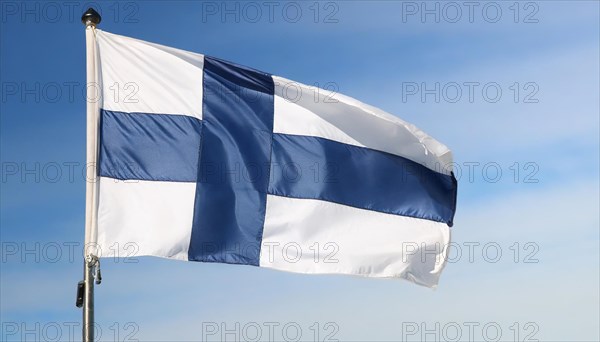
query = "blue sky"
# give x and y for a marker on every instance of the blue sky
(541, 213)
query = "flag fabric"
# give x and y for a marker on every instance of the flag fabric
(205, 160)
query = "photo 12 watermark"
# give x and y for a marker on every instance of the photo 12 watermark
(53, 331)
(68, 92)
(252, 12)
(471, 92)
(36, 12)
(52, 252)
(470, 12)
(472, 331)
(270, 331)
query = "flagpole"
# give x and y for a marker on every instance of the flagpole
(91, 266)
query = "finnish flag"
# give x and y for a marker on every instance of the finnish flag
(205, 160)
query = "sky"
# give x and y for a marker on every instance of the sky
(513, 88)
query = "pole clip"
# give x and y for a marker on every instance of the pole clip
(94, 263)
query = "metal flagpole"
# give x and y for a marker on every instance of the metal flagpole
(91, 263)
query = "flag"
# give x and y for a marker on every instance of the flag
(201, 159)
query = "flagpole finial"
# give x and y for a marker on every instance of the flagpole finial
(91, 17)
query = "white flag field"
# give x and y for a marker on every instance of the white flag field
(201, 159)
